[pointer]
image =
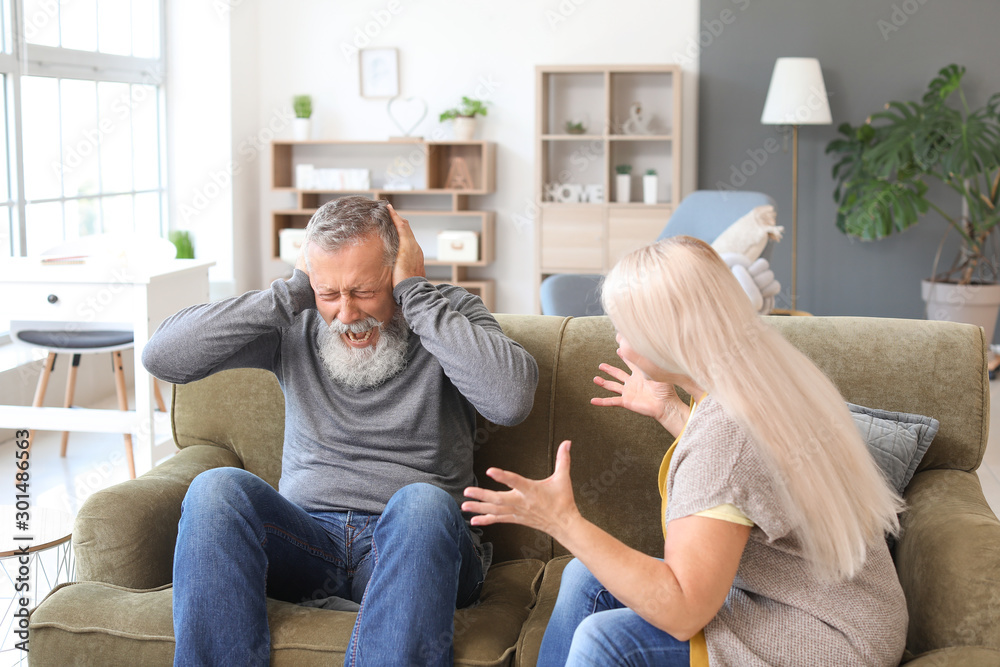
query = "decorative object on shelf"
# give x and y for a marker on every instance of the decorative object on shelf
(290, 244)
(331, 179)
(796, 96)
(182, 241)
(463, 117)
(459, 177)
(379, 72)
(457, 246)
(649, 183)
(305, 176)
(636, 123)
(406, 113)
(303, 106)
(623, 183)
(594, 193)
(578, 125)
(884, 174)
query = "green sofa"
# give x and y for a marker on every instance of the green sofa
(948, 559)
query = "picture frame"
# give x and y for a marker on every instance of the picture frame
(379, 72)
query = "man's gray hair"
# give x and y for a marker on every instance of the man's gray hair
(351, 221)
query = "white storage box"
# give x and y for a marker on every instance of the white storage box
(458, 246)
(290, 244)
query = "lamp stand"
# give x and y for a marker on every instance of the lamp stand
(795, 208)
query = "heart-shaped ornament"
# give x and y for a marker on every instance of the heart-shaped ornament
(403, 110)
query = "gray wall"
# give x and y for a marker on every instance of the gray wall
(866, 62)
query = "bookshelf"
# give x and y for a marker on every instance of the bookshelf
(412, 174)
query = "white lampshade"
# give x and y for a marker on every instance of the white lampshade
(797, 94)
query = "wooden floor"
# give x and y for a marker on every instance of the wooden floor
(96, 461)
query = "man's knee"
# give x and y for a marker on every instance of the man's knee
(219, 486)
(422, 502)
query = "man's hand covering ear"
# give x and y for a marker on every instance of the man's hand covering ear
(756, 278)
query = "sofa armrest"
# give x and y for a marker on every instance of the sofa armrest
(963, 656)
(125, 534)
(947, 560)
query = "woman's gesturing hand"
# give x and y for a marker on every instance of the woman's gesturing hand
(546, 505)
(636, 392)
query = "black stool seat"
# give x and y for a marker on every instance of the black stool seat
(77, 340)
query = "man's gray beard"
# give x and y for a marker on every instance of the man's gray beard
(370, 366)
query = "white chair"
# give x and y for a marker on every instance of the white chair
(78, 338)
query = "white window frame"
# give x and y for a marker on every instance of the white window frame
(36, 60)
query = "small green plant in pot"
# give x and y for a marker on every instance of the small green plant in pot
(302, 126)
(463, 117)
(182, 241)
(623, 183)
(885, 169)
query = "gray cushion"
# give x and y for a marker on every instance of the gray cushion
(897, 440)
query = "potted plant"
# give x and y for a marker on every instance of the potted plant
(623, 183)
(883, 175)
(303, 106)
(575, 127)
(182, 241)
(463, 117)
(649, 182)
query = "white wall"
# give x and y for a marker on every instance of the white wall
(446, 49)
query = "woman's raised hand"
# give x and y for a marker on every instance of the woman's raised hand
(546, 505)
(643, 396)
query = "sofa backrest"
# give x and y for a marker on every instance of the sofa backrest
(931, 368)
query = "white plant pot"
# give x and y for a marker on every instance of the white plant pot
(623, 188)
(971, 304)
(464, 127)
(649, 189)
(301, 129)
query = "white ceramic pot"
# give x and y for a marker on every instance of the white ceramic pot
(301, 129)
(464, 127)
(649, 189)
(623, 188)
(972, 304)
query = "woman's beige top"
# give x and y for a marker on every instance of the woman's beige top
(778, 612)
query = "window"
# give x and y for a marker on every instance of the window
(82, 124)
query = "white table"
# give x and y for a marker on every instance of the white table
(99, 293)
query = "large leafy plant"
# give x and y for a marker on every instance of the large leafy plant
(887, 163)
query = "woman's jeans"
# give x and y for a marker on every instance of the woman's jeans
(239, 541)
(590, 627)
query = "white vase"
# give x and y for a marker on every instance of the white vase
(972, 304)
(464, 127)
(623, 188)
(301, 129)
(649, 189)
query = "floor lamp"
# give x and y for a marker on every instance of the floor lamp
(796, 96)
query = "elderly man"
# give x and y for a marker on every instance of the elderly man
(382, 373)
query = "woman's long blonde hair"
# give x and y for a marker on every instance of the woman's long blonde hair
(679, 306)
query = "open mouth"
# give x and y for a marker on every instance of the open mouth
(360, 338)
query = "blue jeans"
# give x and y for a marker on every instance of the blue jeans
(590, 627)
(239, 541)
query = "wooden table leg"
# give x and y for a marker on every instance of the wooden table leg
(123, 404)
(68, 403)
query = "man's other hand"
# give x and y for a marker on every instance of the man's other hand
(410, 260)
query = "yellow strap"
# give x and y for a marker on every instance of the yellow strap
(698, 650)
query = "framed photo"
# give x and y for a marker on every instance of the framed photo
(379, 72)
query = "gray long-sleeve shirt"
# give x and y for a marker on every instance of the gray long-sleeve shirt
(349, 449)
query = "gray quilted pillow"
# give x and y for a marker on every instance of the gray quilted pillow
(897, 440)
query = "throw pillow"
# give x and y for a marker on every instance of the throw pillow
(897, 440)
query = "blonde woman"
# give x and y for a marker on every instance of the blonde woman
(774, 514)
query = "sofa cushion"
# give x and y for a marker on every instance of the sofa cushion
(129, 626)
(897, 440)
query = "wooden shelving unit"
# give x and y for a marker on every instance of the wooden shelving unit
(592, 237)
(424, 167)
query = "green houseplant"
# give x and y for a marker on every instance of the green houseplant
(301, 126)
(182, 241)
(623, 183)
(463, 117)
(887, 164)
